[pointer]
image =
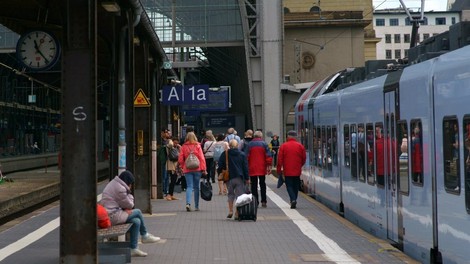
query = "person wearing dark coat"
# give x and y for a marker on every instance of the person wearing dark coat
(238, 173)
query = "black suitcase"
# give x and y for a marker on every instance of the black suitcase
(248, 211)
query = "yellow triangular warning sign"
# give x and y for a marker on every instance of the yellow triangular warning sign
(140, 100)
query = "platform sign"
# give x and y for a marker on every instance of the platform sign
(187, 95)
(218, 102)
(140, 99)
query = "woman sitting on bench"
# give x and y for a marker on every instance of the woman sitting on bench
(118, 201)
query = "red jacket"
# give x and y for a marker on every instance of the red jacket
(291, 158)
(184, 153)
(259, 157)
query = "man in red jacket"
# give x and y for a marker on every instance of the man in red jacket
(291, 158)
(259, 159)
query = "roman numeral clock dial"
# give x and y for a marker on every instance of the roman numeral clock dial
(38, 50)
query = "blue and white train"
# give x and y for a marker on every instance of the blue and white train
(391, 154)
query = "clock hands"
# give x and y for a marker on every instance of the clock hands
(39, 51)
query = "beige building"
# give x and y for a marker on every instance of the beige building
(321, 38)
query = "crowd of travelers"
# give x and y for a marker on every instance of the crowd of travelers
(239, 165)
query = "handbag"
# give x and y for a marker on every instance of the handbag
(191, 162)
(225, 174)
(206, 190)
(280, 180)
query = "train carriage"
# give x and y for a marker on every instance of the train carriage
(392, 155)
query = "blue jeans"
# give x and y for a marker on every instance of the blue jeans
(166, 181)
(192, 181)
(138, 226)
(293, 186)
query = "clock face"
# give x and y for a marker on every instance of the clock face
(38, 50)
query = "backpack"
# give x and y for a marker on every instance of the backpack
(218, 150)
(191, 162)
(173, 154)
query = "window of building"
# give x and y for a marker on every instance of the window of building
(396, 38)
(388, 38)
(397, 54)
(406, 53)
(425, 21)
(315, 9)
(450, 141)
(407, 21)
(425, 36)
(440, 20)
(380, 22)
(388, 54)
(406, 38)
(393, 21)
(453, 20)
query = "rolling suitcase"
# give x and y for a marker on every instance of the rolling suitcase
(248, 211)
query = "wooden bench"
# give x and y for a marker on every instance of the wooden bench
(114, 251)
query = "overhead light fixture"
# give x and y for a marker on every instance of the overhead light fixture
(111, 6)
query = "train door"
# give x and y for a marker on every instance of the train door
(391, 182)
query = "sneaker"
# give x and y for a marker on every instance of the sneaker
(264, 205)
(293, 205)
(168, 198)
(188, 207)
(174, 198)
(149, 238)
(135, 252)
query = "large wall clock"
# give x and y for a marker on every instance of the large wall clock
(38, 50)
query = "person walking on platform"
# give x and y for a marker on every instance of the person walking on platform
(259, 159)
(171, 167)
(291, 158)
(232, 134)
(238, 173)
(163, 157)
(193, 176)
(275, 147)
(119, 203)
(219, 150)
(208, 150)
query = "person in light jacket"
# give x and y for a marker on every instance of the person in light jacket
(119, 203)
(193, 176)
(291, 158)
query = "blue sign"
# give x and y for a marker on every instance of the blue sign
(218, 101)
(187, 95)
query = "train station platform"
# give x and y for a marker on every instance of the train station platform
(309, 233)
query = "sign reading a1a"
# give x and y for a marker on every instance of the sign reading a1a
(167, 65)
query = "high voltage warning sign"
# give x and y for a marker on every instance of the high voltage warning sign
(140, 100)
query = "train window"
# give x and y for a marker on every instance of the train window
(318, 145)
(347, 145)
(370, 151)
(361, 152)
(466, 152)
(450, 128)
(313, 155)
(328, 147)
(402, 141)
(353, 138)
(379, 155)
(416, 156)
(323, 148)
(334, 145)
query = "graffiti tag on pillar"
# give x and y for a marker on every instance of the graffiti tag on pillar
(79, 115)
